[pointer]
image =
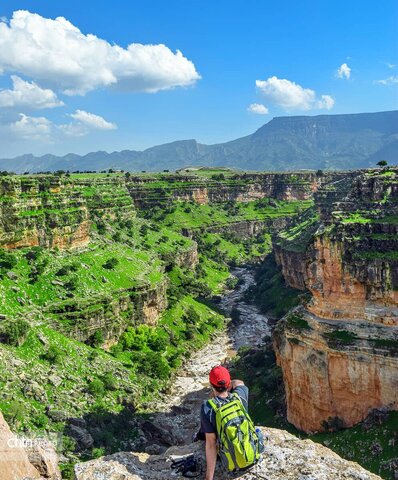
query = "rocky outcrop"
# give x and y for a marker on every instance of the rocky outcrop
(285, 458)
(57, 212)
(335, 371)
(16, 463)
(339, 356)
(111, 314)
(149, 191)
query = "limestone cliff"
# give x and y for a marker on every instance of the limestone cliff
(149, 191)
(339, 356)
(52, 211)
(285, 458)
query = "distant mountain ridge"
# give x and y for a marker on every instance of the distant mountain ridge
(285, 143)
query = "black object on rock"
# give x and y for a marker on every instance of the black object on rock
(188, 466)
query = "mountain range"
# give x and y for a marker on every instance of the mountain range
(344, 141)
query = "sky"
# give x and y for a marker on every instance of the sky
(97, 75)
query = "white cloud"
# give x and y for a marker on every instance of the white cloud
(326, 102)
(59, 54)
(44, 130)
(28, 94)
(344, 71)
(291, 96)
(393, 80)
(258, 108)
(93, 121)
(32, 128)
(391, 65)
(3, 19)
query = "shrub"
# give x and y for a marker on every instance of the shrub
(15, 412)
(54, 354)
(33, 254)
(157, 342)
(7, 262)
(109, 381)
(97, 339)
(40, 420)
(191, 316)
(71, 284)
(100, 452)
(101, 228)
(15, 331)
(156, 365)
(111, 263)
(96, 388)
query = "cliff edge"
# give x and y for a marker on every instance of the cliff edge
(285, 457)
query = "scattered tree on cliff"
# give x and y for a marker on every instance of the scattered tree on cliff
(382, 163)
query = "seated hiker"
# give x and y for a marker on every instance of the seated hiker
(226, 425)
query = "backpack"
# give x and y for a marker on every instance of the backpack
(238, 443)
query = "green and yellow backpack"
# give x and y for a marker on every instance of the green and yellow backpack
(239, 445)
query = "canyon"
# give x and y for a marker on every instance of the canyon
(123, 276)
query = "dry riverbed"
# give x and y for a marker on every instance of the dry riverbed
(177, 414)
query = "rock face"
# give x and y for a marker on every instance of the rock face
(147, 191)
(339, 355)
(113, 314)
(51, 211)
(335, 370)
(285, 457)
(18, 464)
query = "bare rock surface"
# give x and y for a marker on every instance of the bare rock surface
(285, 458)
(14, 461)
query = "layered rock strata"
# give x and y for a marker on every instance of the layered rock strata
(149, 191)
(52, 211)
(339, 355)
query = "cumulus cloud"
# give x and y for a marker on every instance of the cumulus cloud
(292, 96)
(31, 128)
(28, 94)
(257, 108)
(344, 71)
(44, 130)
(391, 65)
(93, 121)
(59, 54)
(393, 80)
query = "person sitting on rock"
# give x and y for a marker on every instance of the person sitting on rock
(235, 394)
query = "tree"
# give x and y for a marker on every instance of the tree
(382, 163)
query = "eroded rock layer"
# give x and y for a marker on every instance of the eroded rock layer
(339, 355)
(52, 211)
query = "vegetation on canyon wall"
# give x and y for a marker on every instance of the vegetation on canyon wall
(96, 319)
(108, 282)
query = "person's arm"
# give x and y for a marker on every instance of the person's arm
(236, 383)
(211, 455)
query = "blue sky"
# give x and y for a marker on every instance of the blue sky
(242, 63)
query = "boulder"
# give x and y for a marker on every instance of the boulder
(82, 436)
(44, 458)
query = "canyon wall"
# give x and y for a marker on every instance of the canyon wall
(339, 354)
(56, 212)
(245, 187)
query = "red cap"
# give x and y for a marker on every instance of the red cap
(219, 377)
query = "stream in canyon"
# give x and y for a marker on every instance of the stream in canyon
(178, 411)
